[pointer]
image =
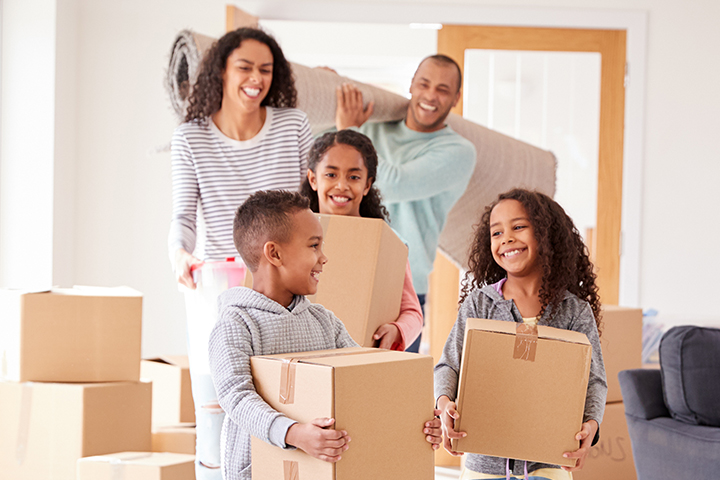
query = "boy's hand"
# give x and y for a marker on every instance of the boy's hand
(350, 111)
(433, 431)
(585, 435)
(448, 417)
(317, 439)
(388, 335)
(183, 262)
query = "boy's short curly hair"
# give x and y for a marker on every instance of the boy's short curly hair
(266, 216)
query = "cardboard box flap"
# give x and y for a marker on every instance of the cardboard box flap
(174, 360)
(341, 357)
(543, 331)
(25, 291)
(91, 291)
(159, 459)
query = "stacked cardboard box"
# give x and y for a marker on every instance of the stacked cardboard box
(621, 342)
(174, 439)
(70, 379)
(172, 392)
(137, 466)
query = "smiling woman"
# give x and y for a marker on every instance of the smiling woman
(241, 134)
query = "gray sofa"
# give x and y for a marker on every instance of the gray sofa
(673, 414)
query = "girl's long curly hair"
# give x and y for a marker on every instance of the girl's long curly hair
(371, 205)
(562, 254)
(207, 93)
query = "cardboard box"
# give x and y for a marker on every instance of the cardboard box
(47, 427)
(621, 342)
(172, 393)
(137, 466)
(381, 398)
(611, 457)
(522, 390)
(175, 439)
(366, 254)
(79, 334)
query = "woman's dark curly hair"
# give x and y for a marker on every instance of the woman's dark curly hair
(371, 205)
(207, 93)
(562, 254)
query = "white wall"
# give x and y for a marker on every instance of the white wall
(121, 198)
(28, 134)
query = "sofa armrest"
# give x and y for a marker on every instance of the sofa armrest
(642, 393)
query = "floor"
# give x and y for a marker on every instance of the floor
(447, 473)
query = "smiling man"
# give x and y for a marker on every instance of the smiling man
(424, 166)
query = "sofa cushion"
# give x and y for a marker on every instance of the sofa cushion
(690, 366)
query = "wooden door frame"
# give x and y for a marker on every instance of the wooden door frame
(453, 40)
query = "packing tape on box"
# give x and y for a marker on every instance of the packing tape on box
(24, 422)
(291, 470)
(287, 371)
(526, 337)
(287, 381)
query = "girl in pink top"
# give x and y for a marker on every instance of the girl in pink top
(342, 168)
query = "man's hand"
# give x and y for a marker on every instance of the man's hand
(387, 335)
(448, 417)
(318, 440)
(585, 435)
(350, 111)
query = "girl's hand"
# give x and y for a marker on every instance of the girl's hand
(448, 417)
(585, 435)
(350, 111)
(183, 262)
(388, 335)
(433, 431)
(318, 440)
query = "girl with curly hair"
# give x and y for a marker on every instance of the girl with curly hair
(527, 264)
(241, 134)
(342, 167)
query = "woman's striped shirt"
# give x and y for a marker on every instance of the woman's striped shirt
(213, 174)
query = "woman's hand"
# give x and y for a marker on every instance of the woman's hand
(448, 416)
(387, 335)
(585, 435)
(183, 262)
(318, 440)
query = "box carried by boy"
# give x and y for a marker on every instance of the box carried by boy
(522, 391)
(380, 397)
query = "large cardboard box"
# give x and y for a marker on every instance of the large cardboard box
(611, 457)
(137, 466)
(172, 393)
(363, 279)
(621, 342)
(381, 398)
(80, 334)
(522, 390)
(46, 427)
(175, 439)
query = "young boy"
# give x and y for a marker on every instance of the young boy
(280, 241)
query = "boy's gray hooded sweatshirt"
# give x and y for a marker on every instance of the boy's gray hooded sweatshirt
(572, 314)
(249, 323)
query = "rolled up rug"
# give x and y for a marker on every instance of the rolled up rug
(185, 58)
(502, 162)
